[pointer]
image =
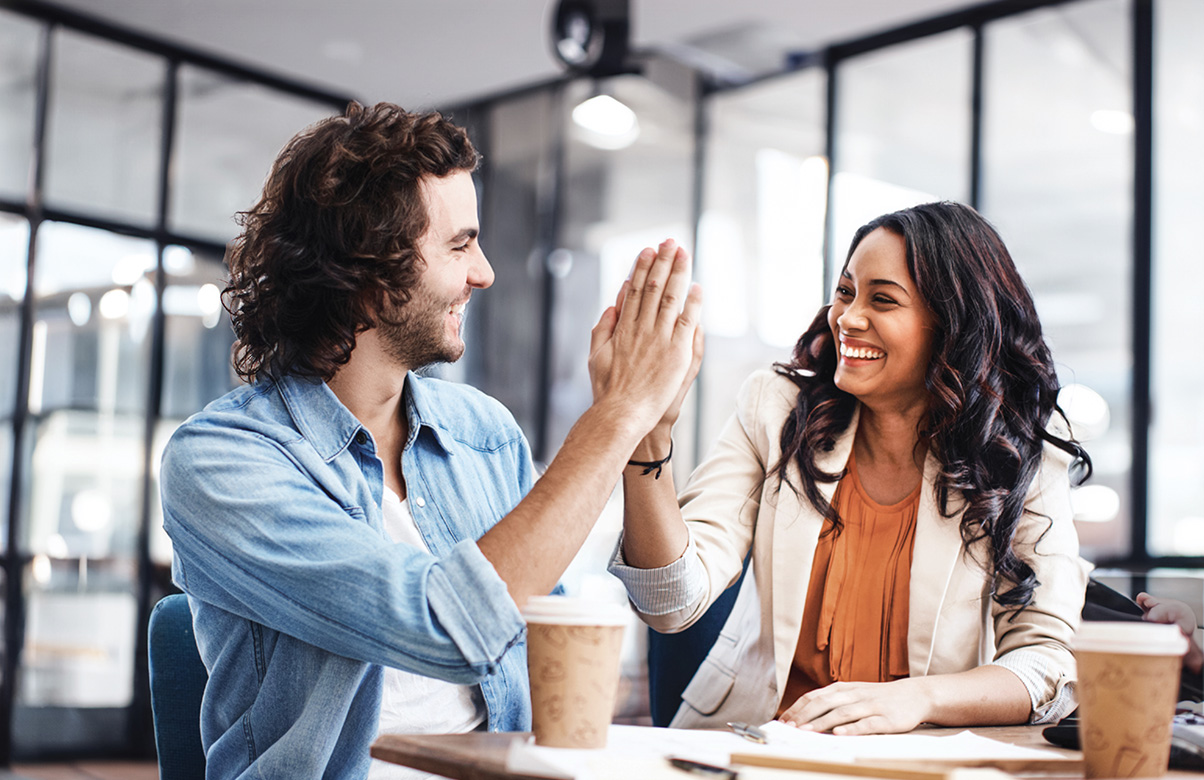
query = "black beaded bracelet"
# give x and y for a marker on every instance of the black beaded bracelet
(650, 465)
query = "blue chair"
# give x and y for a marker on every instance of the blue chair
(177, 681)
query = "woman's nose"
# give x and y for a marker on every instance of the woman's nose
(852, 318)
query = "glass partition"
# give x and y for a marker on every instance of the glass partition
(1057, 181)
(902, 132)
(761, 233)
(104, 127)
(628, 183)
(19, 38)
(1176, 510)
(229, 133)
(503, 324)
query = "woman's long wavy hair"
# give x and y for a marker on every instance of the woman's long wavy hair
(991, 379)
(333, 241)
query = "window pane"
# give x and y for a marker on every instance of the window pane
(78, 659)
(229, 132)
(196, 360)
(14, 241)
(760, 250)
(1057, 182)
(95, 301)
(18, 63)
(104, 128)
(199, 336)
(902, 131)
(1177, 431)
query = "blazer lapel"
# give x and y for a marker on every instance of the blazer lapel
(935, 557)
(796, 530)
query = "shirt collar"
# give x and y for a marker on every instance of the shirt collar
(330, 426)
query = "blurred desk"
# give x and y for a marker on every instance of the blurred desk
(482, 755)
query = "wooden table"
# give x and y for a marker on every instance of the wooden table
(482, 755)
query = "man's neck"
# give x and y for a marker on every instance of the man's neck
(371, 385)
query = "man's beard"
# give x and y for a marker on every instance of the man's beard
(418, 335)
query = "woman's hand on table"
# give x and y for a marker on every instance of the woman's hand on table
(847, 708)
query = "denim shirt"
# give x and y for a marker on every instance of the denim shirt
(272, 499)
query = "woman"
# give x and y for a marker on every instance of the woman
(903, 485)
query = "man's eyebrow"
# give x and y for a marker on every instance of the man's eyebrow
(466, 234)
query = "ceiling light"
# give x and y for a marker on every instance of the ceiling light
(608, 124)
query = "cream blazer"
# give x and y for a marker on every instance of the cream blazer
(953, 626)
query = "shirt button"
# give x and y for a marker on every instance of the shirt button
(420, 501)
(361, 438)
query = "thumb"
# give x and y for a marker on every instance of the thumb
(604, 329)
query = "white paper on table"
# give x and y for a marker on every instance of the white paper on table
(639, 751)
(786, 740)
(645, 744)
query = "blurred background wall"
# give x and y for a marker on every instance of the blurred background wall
(127, 144)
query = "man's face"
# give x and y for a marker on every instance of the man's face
(428, 330)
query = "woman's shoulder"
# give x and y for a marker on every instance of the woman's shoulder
(766, 395)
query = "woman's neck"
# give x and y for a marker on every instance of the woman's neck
(890, 439)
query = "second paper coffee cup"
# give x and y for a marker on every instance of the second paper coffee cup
(1128, 683)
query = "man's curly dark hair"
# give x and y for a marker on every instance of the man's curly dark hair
(991, 380)
(333, 241)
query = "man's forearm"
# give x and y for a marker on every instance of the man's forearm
(532, 546)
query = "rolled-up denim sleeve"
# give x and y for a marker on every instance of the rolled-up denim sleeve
(256, 535)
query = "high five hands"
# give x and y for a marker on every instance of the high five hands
(647, 348)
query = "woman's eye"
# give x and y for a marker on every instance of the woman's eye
(883, 299)
(843, 292)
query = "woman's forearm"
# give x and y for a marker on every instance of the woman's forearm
(654, 534)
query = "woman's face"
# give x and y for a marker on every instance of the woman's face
(882, 327)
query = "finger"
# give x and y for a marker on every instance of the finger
(655, 280)
(604, 329)
(875, 724)
(840, 716)
(676, 286)
(635, 287)
(690, 318)
(622, 295)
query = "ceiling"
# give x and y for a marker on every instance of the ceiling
(427, 53)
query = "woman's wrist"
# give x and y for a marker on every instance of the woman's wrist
(655, 446)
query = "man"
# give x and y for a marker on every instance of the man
(356, 541)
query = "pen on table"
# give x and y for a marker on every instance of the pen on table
(706, 770)
(748, 731)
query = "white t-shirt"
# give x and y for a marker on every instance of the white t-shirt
(412, 703)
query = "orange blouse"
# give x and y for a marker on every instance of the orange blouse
(855, 617)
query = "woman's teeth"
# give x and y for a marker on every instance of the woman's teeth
(860, 353)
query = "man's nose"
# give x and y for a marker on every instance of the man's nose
(481, 273)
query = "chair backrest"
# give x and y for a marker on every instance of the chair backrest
(177, 681)
(673, 659)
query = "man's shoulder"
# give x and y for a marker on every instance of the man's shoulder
(461, 410)
(255, 408)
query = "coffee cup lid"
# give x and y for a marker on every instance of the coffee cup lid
(567, 610)
(1130, 638)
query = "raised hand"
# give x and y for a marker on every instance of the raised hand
(647, 348)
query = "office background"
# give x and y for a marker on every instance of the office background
(1074, 126)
